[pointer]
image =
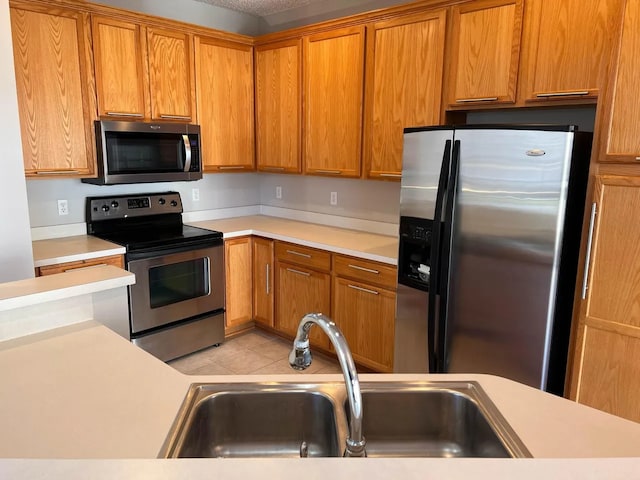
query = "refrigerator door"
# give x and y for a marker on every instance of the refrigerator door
(505, 249)
(421, 161)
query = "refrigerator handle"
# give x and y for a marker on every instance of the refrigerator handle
(435, 257)
(445, 256)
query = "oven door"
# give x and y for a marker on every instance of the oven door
(173, 286)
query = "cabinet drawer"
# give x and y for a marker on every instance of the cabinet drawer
(309, 257)
(115, 260)
(365, 270)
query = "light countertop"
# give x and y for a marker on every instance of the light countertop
(72, 249)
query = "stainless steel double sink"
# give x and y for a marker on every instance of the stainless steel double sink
(401, 419)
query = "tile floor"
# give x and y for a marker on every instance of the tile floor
(255, 352)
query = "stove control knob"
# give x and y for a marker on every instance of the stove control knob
(114, 204)
(162, 201)
(105, 208)
(174, 203)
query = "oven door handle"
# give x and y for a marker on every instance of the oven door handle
(187, 153)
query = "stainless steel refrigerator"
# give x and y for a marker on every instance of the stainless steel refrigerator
(490, 224)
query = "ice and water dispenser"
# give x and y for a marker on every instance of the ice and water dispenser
(414, 259)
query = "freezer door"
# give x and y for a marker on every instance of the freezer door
(506, 243)
(421, 161)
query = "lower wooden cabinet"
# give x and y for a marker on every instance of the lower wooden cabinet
(115, 260)
(301, 290)
(263, 281)
(366, 315)
(239, 283)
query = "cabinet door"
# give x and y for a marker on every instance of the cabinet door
(366, 316)
(607, 360)
(263, 281)
(333, 89)
(620, 132)
(301, 291)
(117, 53)
(170, 75)
(278, 75)
(55, 97)
(566, 47)
(403, 86)
(239, 284)
(485, 49)
(224, 82)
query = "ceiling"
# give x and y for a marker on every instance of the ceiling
(260, 8)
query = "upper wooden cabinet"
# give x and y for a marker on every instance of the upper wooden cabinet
(566, 48)
(278, 77)
(485, 49)
(403, 86)
(143, 73)
(120, 70)
(333, 89)
(619, 133)
(55, 89)
(224, 85)
(606, 371)
(170, 75)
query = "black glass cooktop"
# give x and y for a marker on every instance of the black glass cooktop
(142, 239)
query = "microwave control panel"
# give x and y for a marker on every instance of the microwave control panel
(124, 206)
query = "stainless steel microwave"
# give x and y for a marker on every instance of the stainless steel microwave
(140, 152)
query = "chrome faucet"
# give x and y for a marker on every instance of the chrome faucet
(300, 359)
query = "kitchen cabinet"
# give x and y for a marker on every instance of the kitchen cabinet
(224, 85)
(364, 306)
(485, 50)
(263, 273)
(120, 70)
(619, 132)
(238, 284)
(52, 57)
(403, 86)
(566, 48)
(606, 371)
(115, 260)
(303, 285)
(333, 94)
(278, 78)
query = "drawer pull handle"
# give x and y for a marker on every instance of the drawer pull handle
(360, 289)
(391, 175)
(85, 268)
(306, 274)
(638, 159)
(482, 99)
(57, 172)
(581, 93)
(330, 172)
(275, 169)
(293, 252)
(587, 258)
(369, 270)
(175, 117)
(239, 167)
(122, 114)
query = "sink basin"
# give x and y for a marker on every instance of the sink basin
(430, 422)
(401, 419)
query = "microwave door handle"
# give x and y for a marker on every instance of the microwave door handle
(187, 153)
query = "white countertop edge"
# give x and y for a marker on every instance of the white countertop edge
(33, 291)
(309, 243)
(79, 257)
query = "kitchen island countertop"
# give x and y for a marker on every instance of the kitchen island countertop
(83, 392)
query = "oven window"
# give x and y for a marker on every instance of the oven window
(129, 152)
(178, 282)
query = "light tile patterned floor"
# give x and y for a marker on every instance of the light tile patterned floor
(255, 352)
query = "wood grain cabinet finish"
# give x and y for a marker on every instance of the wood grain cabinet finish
(51, 49)
(566, 48)
(619, 135)
(606, 371)
(403, 86)
(333, 74)
(278, 81)
(485, 51)
(263, 281)
(238, 283)
(114, 260)
(120, 69)
(170, 56)
(224, 85)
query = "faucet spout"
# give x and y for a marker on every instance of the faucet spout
(300, 359)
